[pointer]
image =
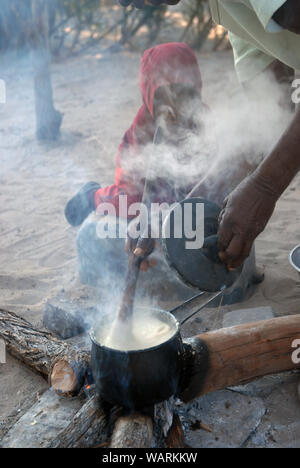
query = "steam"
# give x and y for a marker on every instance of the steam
(227, 142)
(222, 146)
(146, 329)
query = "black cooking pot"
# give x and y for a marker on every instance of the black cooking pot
(143, 377)
(138, 378)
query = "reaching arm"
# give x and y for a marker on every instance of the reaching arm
(249, 207)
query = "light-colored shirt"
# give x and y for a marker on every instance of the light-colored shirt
(257, 40)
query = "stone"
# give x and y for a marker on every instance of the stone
(42, 422)
(280, 426)
(232, 418)
(242, 316)
(67, 318)
(264, 386)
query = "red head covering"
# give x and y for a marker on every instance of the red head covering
(162, 65)
(165, 64)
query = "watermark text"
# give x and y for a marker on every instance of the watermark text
(186, 221)
(296, 93)
(296, 353)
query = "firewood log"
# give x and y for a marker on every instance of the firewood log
(62, 363)
(237, 355)
(87, 429)
(132, 431)
(175, 436)
(218, 359)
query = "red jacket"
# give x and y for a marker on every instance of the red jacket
(161, 65)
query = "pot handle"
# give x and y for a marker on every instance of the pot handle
(188, 301)
(219, 293)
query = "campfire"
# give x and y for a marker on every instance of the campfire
(212, 361)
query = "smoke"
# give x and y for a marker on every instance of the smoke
(247, 124)
(227, 141)
(222, 145)
(146, 328)
(238, 129)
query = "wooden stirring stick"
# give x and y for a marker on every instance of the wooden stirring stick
(126, 307)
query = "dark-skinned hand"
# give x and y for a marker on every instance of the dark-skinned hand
(141, 246)
(288, 16)
(245, 213)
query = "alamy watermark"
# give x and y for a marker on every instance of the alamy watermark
(2, 352)
(2, 92)
(296, 353)
(186, 221)
(296, 93)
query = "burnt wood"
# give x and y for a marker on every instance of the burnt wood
(88, 428)
(132, 431)
(55, 359)
(215, 360)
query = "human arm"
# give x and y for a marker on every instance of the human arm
(248, 208)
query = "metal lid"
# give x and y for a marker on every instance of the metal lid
(198, 267)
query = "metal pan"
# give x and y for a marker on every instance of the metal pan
(139, 378)
(200, 268)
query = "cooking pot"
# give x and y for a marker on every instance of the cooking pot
(138, 378)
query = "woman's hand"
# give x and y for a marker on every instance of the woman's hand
(245, 213)
(141, 246)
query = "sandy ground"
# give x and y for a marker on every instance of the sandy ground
(99, 97)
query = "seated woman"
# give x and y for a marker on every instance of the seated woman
(169, 78)
(171, 85)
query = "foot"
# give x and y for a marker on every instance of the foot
(82, 204)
